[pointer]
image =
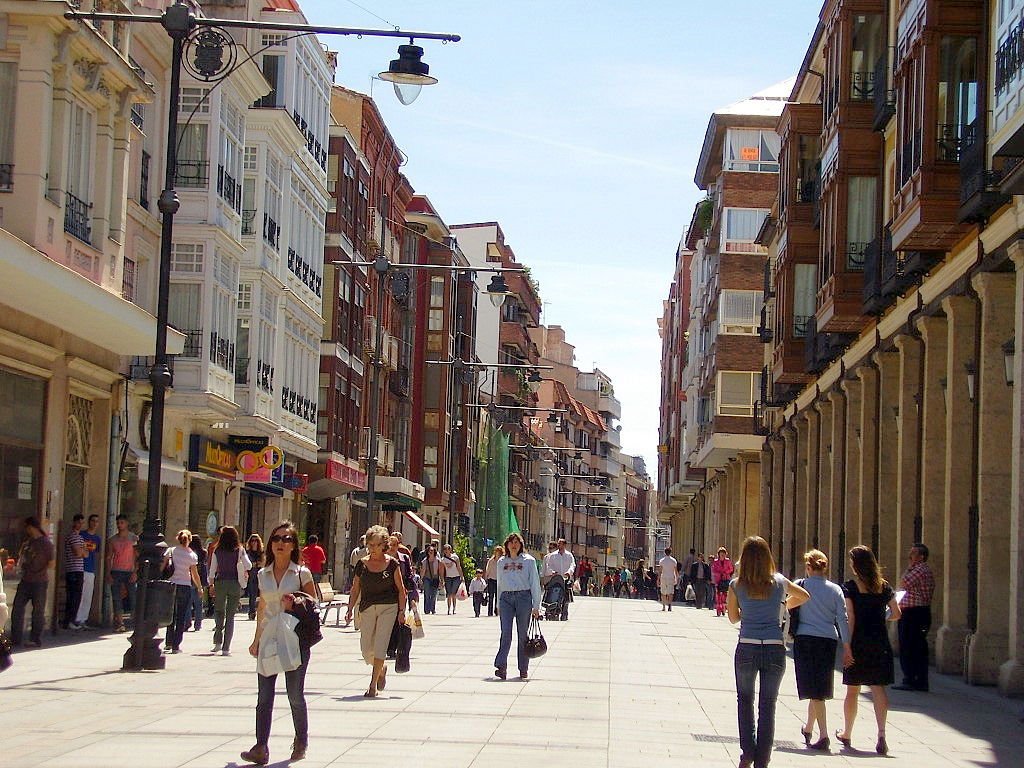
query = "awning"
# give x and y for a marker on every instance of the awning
(52, 293)
(171, 472)
(422, 524)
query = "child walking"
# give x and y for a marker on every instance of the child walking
(478, 589)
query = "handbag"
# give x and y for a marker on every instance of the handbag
(794, 615)
(536, 645)
(416, 622)
(6, 647)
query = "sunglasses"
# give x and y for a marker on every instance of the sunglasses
(285, 539)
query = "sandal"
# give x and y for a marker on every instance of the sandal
(844, 740)
(370, 694)
(383, 679)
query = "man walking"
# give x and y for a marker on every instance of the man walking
(667, 575)
(916, 619)
(700, 575)
(691, 556)
(35, 557)
(561, 562)
(92, 545)
(74, 572)
(586, 571)
(121, 569)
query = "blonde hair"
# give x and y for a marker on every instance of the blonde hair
(376, 535)
(184, 537)
(816, 560)
(757, 568)
(499, 551)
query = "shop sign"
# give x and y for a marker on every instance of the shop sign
(343, 473)
(212, 457)
(258, 461)
(296, 482)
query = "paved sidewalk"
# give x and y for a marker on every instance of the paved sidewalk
(623, 684)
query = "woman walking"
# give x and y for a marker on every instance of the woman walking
(639, 580)
(491, 575)
(254, 551)
(814, 648)
(229, 575)
(430, 574)
(755, 601)
(721, 576)
(184, 576)
(379, 591)
(453, 576)
(282, 576)
(196, 609)
(867, 597)
(519, 600)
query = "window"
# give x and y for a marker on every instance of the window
(184, 313)
(805, 297)
(249, 164)
(273, 71)
(187, 257)
(437, 291)
(740, 229)
(245, 297)
(193, 164)
(144, 180)
(752, 151)
(866, 45)
(128, 280)
(740, 311)
(8, 84)
(83, 133)
(860, 219)
(195, 99)
(957, 105)
(737, 393)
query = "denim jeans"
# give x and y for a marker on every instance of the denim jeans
(430, 595)
(226, 595)
(295, 684)
(195, 613)
(182, 604)
(768, 661)
(117, 580)
(517, 606)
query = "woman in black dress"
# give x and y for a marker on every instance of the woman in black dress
(867, 597)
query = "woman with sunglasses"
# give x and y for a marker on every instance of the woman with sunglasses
(379, 591)
(282, 576)
(518, 598)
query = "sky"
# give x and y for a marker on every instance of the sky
(577, 126)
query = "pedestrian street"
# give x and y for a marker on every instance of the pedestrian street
(623, 684)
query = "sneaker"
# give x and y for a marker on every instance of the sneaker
(175, 650)
(225, 652)
(216, 648)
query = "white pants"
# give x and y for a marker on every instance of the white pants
(86, 603)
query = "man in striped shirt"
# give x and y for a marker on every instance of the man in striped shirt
(916, 620)
(74, 572)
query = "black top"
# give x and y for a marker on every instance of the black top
(377, 588)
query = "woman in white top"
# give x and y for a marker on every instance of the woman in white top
(491, 575)
(452, 576)
(184, 575)
(282, 576)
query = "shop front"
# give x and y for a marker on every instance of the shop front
(333, 515)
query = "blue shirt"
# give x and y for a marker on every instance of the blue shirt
(90, 559)
(826, 609)
(517, 574)
(760, 618)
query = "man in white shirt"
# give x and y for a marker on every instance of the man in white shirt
(667, 578)
(560, 561)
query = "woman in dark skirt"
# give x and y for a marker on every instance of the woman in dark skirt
(814, 649)
(867, 597)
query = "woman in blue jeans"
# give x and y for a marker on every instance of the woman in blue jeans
(519, 599)
(430, 576)
(756, 600)
(184, 576)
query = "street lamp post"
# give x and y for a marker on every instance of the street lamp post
(214, 60)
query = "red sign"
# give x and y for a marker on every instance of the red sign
(343, 473)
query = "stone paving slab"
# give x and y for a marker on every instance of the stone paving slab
(623, 684)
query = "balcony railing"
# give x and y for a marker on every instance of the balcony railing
(885, 99)
(222, 351)
(6, 177)
(192, 174)
(193, 342)
(980, 196)
(229, 189)
(248, 223)
(874, 302)
(862, 86)
(271, 232)
(138, 368)
(77, 218)
(764, 330)
(265, 376)
(800, 325)
(950, 138)
(855, 256)
(242, 371)
(1010, 57)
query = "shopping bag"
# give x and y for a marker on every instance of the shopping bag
(404, 648)
(576, 587)
(415, 622)
(690, 594)
(462, 594)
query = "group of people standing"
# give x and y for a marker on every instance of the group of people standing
(822, 616)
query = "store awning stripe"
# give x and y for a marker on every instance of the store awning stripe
(422, 524)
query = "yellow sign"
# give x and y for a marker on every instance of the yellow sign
(270, 458)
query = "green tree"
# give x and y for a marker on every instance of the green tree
(463, 548)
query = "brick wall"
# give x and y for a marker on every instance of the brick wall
(742, 271)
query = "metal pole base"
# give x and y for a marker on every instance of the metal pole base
(152, 658)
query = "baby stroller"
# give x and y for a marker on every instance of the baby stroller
(555, 601)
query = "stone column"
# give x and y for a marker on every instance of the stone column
(887, 511)
(823, 481)
(1011, 673)
(867, 508)
(778, 481)
(960, 340)
(753, 522)
(908, 447)
(810, 527)
(799, 541)
(787, 544)
(765, 500)
(933, 454)
(852, 458)
(836, 543)
(989, 646)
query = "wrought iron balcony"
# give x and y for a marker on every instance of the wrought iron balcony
(950, 138)
(884, 98)
(764, 330)
(242, 371)
(855, 256)
(980, 196)
(800, 325)
(862, 86)
(820, 349)
(398, 382)
(271, 232)
(192, 174)
(229, 189)
(265, 376)
(138, 368)
(222, 351)
(874, 302)
(193, 342)
(77, 218)
(248, 223)
(1010, 57)
(6, 177)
